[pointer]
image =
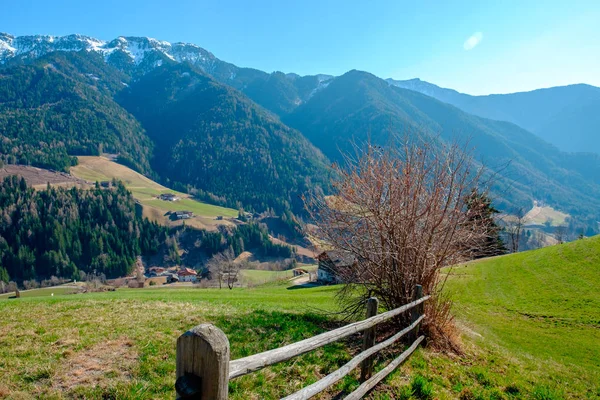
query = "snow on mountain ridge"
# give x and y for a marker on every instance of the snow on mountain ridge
(137, 48)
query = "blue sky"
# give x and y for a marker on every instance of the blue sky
(477, 47)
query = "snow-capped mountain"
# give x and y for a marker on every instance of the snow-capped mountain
(137, 56)
(136, 51)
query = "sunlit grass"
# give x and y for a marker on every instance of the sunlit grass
(529, 323)
(144, 189)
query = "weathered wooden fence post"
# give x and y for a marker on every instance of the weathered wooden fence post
(203, 364)
(366, 367)
(416, 311)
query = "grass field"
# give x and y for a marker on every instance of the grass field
(540, 215)
(541, 307)
(57, 291)
(530, 326)
(146, 190)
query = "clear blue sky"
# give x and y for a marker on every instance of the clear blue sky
(477, 47)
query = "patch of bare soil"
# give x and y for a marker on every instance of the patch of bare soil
(104, 363)
(302, 251)
(244, 256)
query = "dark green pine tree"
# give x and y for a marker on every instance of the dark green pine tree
(4, 275)
(482, 212)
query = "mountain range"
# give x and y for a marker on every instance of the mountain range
(565, 116)
(247, 138)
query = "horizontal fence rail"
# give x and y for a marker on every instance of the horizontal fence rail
(363, 389)
(335, 376)
(259, 361)
(204, 367)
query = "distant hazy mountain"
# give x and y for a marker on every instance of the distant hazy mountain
(566, 116)
(358, 106)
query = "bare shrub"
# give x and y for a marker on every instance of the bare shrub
(203, 284)
(514, 229)
(402, 213)
(560, 233)
(119, 282)
(31, 284)
(53, 281)
(11, 287)
(224, 267)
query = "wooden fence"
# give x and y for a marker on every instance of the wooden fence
(204, 368)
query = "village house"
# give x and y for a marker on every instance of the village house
(168, 197)
(184, 214)
(331, 264)
(187, 275)
(155, 271)
(299, 271)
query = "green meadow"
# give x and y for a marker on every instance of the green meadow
(145, 190)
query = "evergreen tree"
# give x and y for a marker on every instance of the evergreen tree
(4, 275)
(482, 212)
(62, 232)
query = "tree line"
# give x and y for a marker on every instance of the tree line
(60, 232)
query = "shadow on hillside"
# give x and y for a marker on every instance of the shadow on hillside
(306, 285)
(261, 330)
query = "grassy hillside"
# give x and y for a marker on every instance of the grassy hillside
(146, 191)
(122, 344)
(541, 306)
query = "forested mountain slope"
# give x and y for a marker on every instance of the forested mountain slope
(213, 138)
(62, 105)
(59, 232)
(358, 106)
(209, 138)
(136, 56)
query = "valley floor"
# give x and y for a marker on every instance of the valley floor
(529, 329)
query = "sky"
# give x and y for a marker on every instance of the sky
(476, 47)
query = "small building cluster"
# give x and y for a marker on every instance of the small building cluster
(168, 197)
(184, 214)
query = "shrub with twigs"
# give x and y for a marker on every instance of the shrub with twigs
(402, 213)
